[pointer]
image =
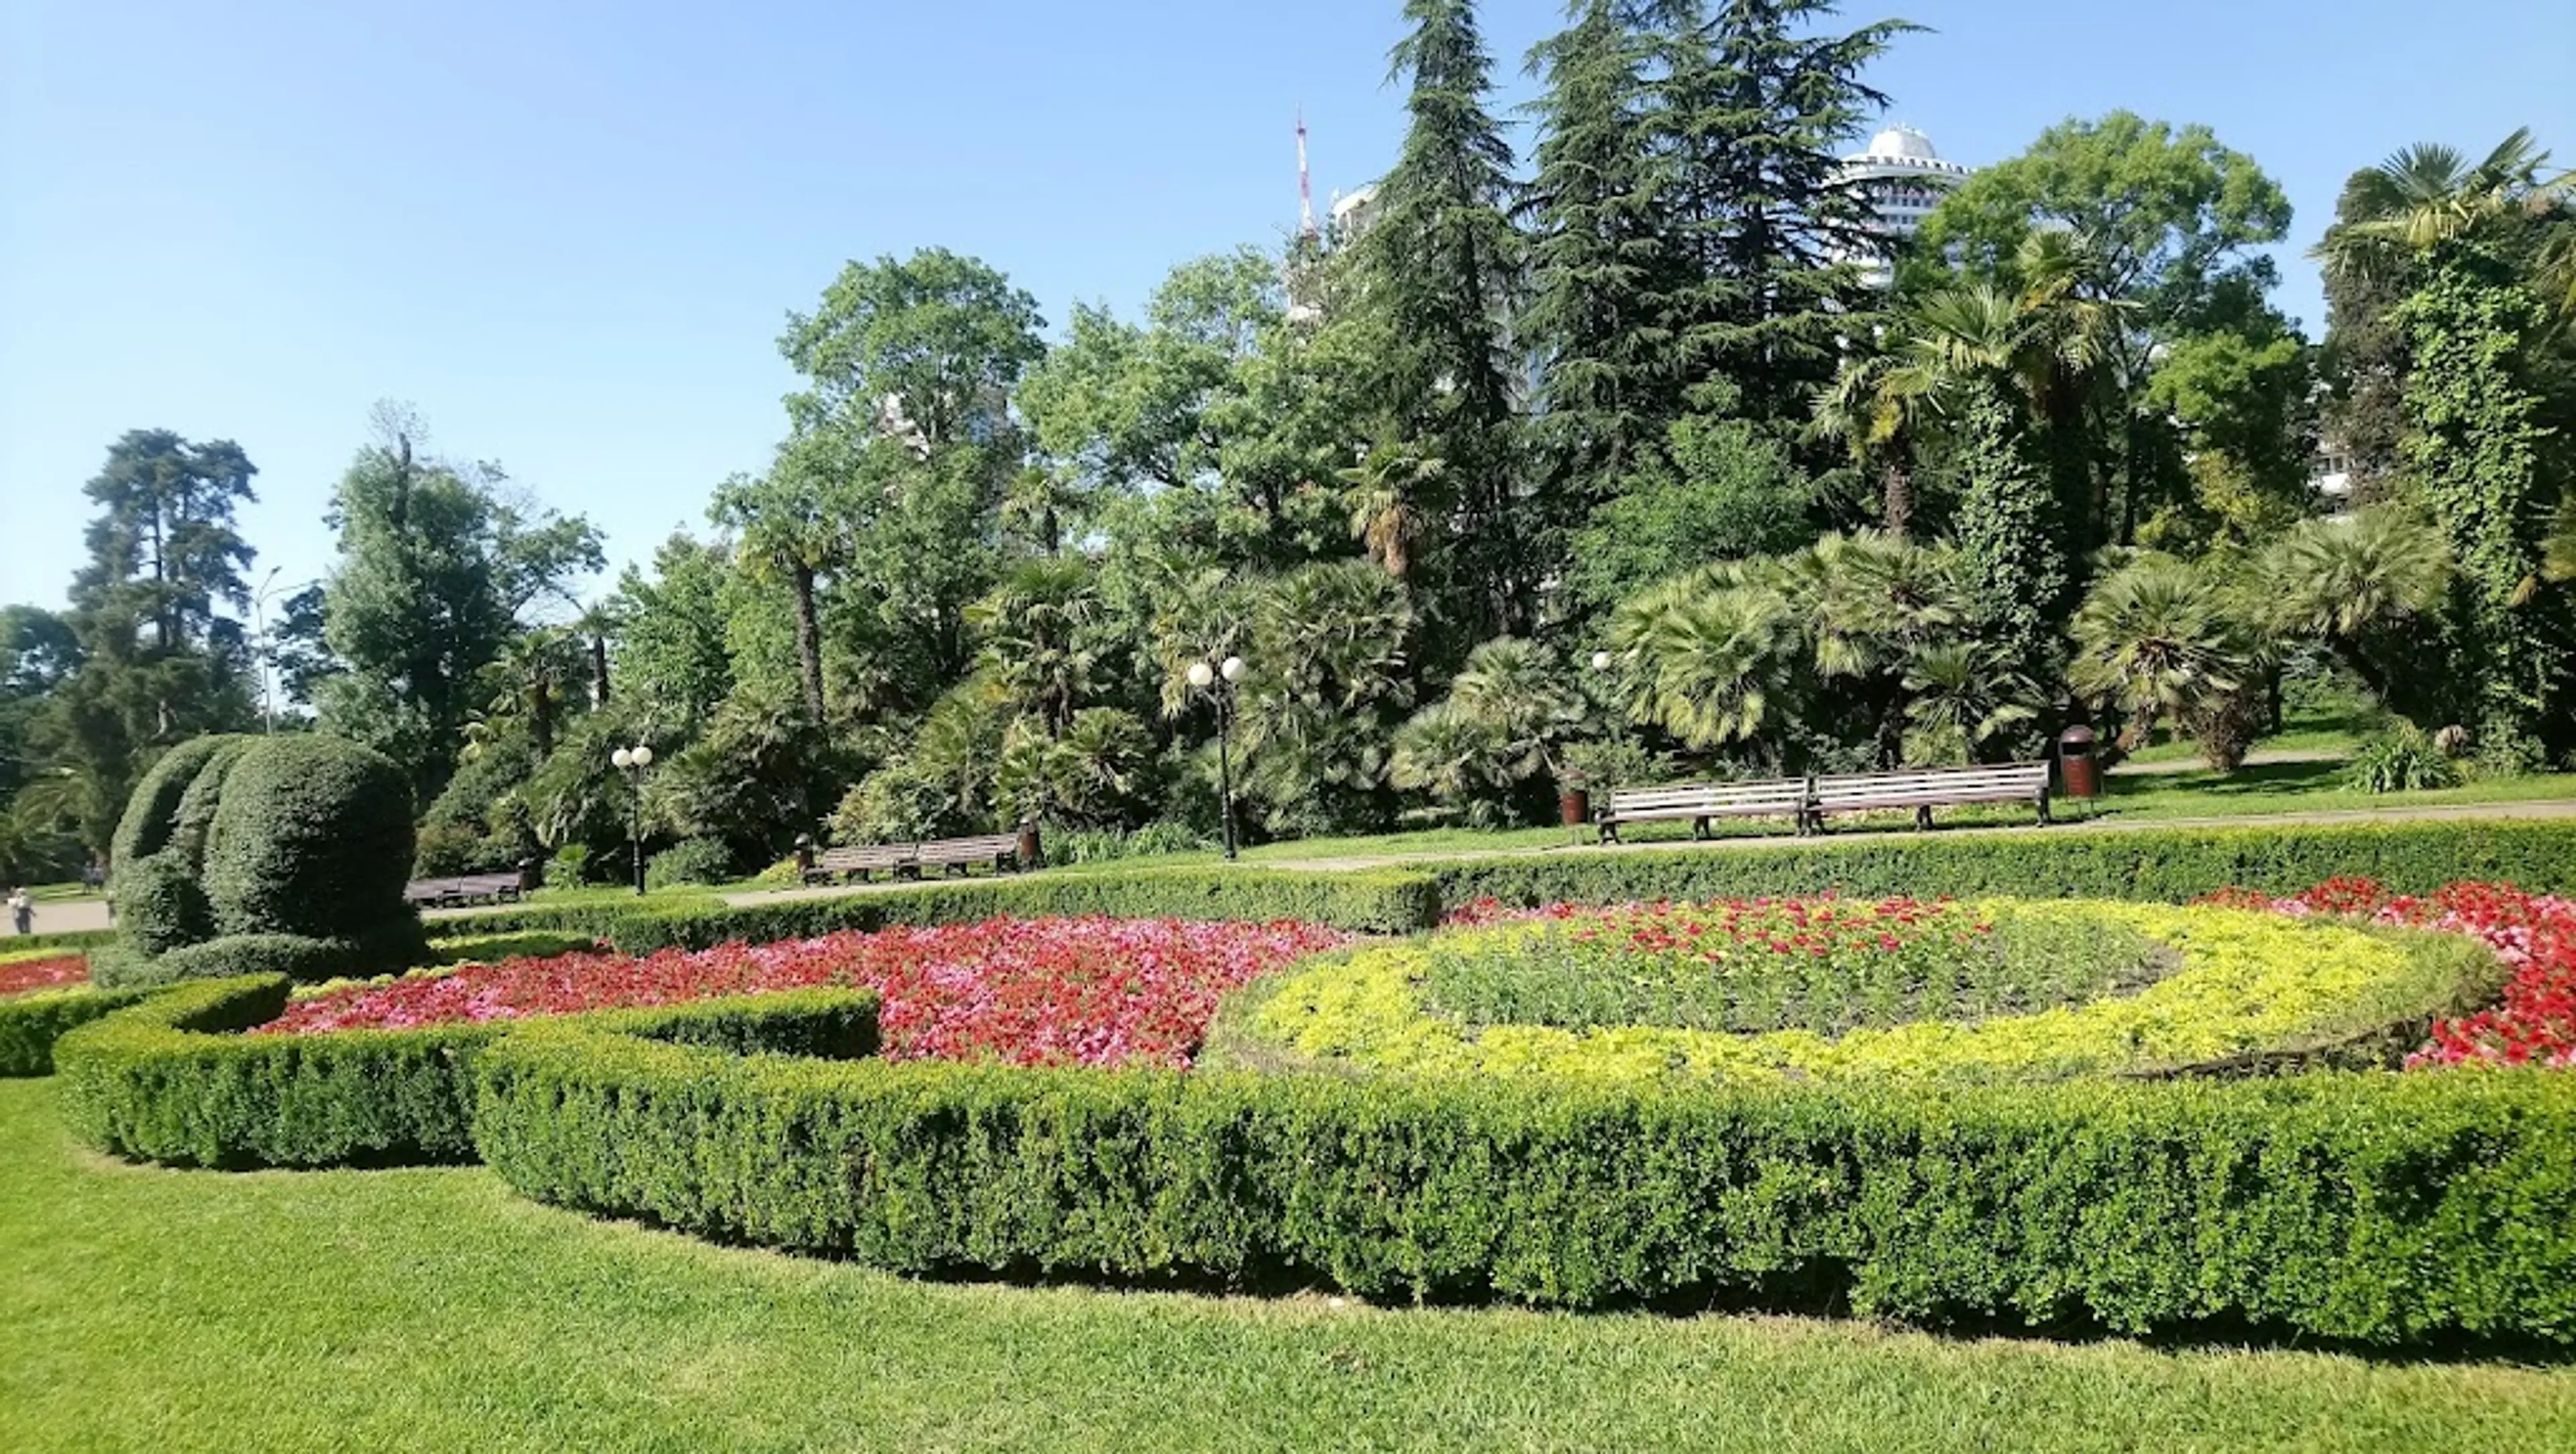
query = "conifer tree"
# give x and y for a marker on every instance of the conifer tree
(1447, 265)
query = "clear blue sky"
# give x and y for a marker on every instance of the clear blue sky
(568, 231)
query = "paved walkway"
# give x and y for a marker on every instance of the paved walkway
(92, 913)
(2548, 808)
(2259, 757)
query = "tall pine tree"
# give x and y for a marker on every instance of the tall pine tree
(1753, 106)
(1599, 257)
(1447, 264)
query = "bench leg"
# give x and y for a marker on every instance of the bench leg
(1923, 819)
(2044, 819)
(1699, 828)
(1609, 831)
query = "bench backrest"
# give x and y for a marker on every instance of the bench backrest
(970, 850)
(1931, 785)
(866, 855)
(1692, 795)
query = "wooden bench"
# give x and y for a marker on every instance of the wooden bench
(1929, 788)
(1001, 850)
(846, 864)
(1699, 802)
(472, 888)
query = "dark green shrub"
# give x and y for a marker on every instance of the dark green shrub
(314, 838)
(30, 1024)
(493, 948)
(2167, 865)
(2402, 760)
(160, 904)
(695, 861)
(2391, 1209)
(151, 813)
(167, 1080)
(1380, 902)
(296, 956)
(193, 826)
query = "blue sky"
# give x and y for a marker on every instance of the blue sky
(569, 232)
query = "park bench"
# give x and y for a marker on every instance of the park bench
(1699, 802)
(858, 863)
(472, 888)
(1001, 850)
(1926, 789)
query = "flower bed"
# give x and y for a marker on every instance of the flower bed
(1827, 965)
(48, 971)
(1092, 991)
(2249, 987)
(2534, 1023)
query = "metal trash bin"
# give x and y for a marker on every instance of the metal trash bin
(2079, 771)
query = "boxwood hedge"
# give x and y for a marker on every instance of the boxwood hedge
(2374, 1207)
(31, 1023)
(2169, 865)
(169, 1080)
(1379, 902)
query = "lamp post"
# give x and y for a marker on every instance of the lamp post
(632, 761)
(268, 587)
(1218, 682)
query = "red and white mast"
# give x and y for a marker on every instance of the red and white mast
(1305, 185)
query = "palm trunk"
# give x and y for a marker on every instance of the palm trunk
(809, 642)
(598, 670)
(1896, 498)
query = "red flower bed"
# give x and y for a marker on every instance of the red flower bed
(37, 974)
(2535, 934)
(1028, 991)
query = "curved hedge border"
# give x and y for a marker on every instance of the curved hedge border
(32, 1022)
(2169, 865)
(1383, 901)
(166, 1081)
(2382, 1208)
(2254, 989)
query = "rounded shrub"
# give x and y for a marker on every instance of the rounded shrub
(297, 956)
(151, 814)
(193, 825)
(696, 861)
(313, 838)
(160, 904)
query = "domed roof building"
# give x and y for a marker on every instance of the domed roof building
(1904, 178)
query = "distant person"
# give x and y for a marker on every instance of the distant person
(22, 911)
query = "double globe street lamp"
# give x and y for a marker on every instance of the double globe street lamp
(1217, 683)
(632, 761)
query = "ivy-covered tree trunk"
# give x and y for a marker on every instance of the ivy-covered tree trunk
(2473, 453)
(2009, 538)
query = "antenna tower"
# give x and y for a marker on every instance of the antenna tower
(1305, 185)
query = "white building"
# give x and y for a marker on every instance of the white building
(1903, 178)
(1353, 212)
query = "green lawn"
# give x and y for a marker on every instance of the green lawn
(431, 1309)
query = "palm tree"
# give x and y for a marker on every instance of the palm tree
(1960, 696)
(2348, 583)
(2428, 194)
(790, 532)
(1518, 689)
(1037, 627)
(1452, 755)
(2154, 638)
(1864, 409)
(526, 681)
(1380, 491)
(1708, 662)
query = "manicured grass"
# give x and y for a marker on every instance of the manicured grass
(433, 1310)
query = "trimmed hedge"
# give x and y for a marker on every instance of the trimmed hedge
(2381, 1208)
(151, 813)
(67, 939)
(313, 837)
(1379, 902)
(31, 1023)
(165, 1081)
(2170, 865)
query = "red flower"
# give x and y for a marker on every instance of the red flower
(1030, 991)
(36, 974)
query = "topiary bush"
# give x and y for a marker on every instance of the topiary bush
(152, 813)
(313, 837)
(160, 904)
(243, 855)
